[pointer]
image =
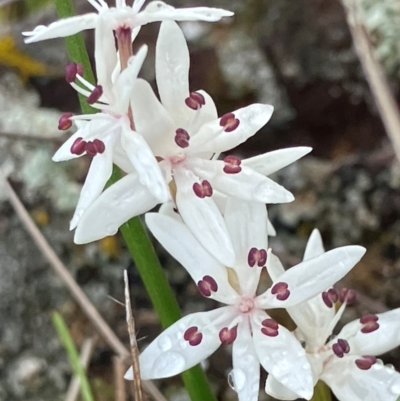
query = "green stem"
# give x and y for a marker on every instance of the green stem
(73, 356)
(137, 239)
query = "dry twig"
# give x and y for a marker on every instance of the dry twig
(91, 312)
(119, 381)
(374, 74)
(86, 353)
(137, 381)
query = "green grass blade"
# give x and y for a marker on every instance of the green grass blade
(73, 356)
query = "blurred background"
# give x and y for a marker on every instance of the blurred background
(297, 55)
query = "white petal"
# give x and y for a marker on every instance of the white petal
(382, 340)
(247, 226)
(115, 206)
(120, 158)
(62, 28)
(203, 219)
(177, 239)
(159, 11)
(99, 173)
(247, 184)
(278, 390)
(197, 118)
(212, 137)
(271, 162)
(105, 55)
(172, 70)
(64, 152)
(270, 229)
(246, 367)
(283, 357)
(274, 266)
(348, 383)
(124, 85)
(145, 163)
(169, 209)
(152, 121)
(170, 354)
(315, 246)
(313, 276)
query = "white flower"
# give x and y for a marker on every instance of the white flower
(184, 132)
(256, 337)
(107, 136)
(124, 17)
(346, 363)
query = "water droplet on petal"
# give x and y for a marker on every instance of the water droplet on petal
(111, 229)
(249, 358)
(306, 366)
(168, 362)
(165, 343)
(395, 388)
(255, 386)
(239, 378)
(231, 381)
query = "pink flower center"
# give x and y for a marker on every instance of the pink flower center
(245, 304)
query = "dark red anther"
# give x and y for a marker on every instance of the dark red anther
(340, 348)
(281, 291)
(207, 285)
(203, 189)
(232, 165)
(347, 295)
(71, 70)
(193, 336)
(366, 362)
(228, 336)
(330, 297)
(270, 327)
(95, 95)
(258, 256)
(370, 323)
(99, 146)
(229, 122)
(182, 138)
(65, 122)
(78, 147)
(195, 101)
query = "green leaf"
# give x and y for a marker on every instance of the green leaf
(73, 356)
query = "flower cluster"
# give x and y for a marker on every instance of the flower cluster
(213, 217)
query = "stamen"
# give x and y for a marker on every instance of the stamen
(232, 165)
(203, 189)
(258, 256)
(95, 95)
(330, 297)
(229, 122)
(182, 138)
(228, 336)
(347, 295)
(71, 70)
(340, 348)
(281, 291)
(78, 147)
(95, 147)
(195, 101)
(370, 323)
(207, 286)
(366, 362)
(65, 123)
(193, 336)
(270, 327)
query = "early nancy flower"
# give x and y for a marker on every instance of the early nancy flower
(107, 136)
(256, 337)
(185, 134)
(123, 16)
(347, 362)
